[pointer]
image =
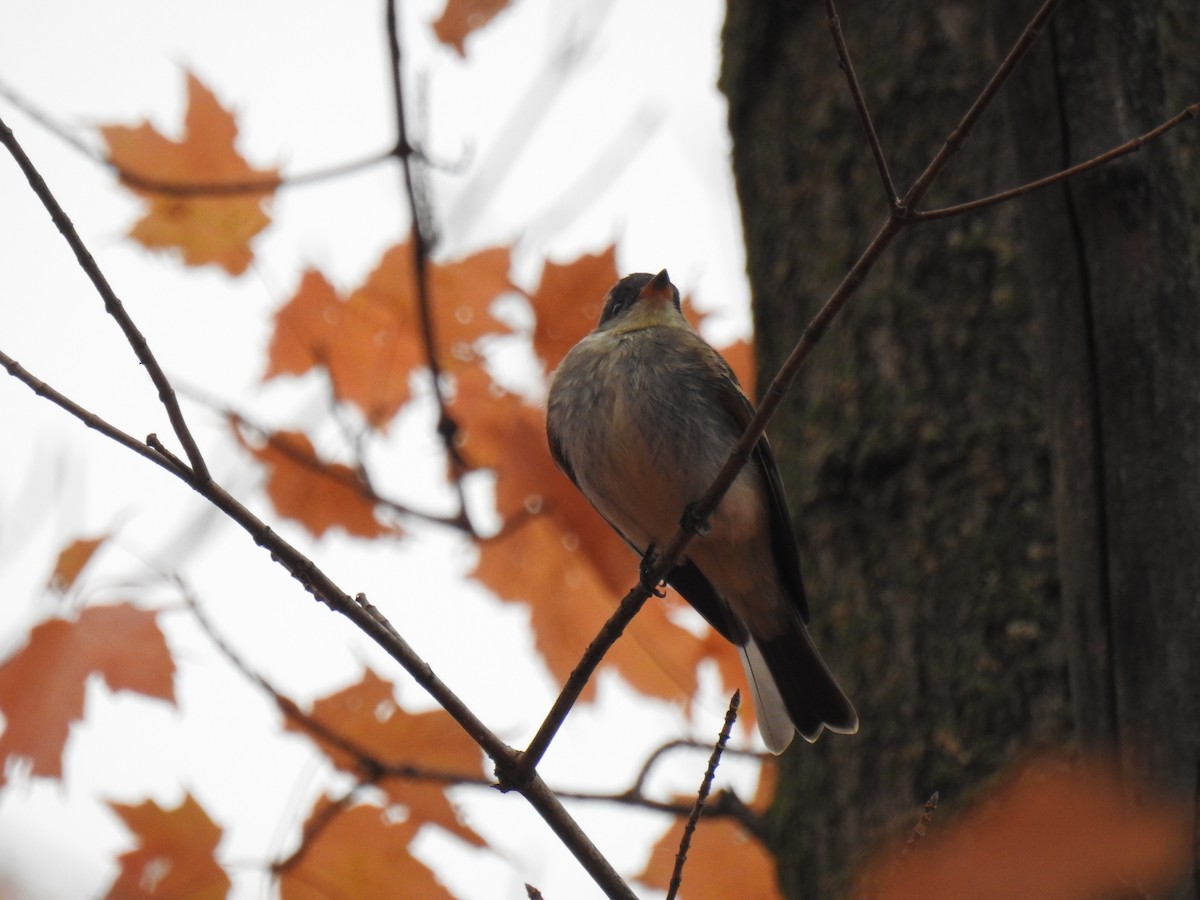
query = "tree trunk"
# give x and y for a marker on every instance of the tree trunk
(1114, 255)
(1006, 388)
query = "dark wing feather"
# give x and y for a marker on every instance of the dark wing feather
(783, 536)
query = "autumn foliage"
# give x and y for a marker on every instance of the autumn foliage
(551, 553)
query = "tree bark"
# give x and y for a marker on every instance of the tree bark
(1009, 389)
(1114, 254)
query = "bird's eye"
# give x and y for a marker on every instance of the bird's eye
(623, 295)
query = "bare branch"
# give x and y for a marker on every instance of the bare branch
(114, 307)
(191, 188)
(447, 427)
(956, 137)
(922, 827)
(91, 420)
(702, 795)
(860, 103)
(1130, 146)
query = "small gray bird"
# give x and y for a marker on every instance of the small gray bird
(642, 414)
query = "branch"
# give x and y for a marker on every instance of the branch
(114, 307)
(1130, 146)
(702, 795)
(358, 478)
(191, 188)
(447, 427)
(959, 135)
(860, 103)
(922, 827)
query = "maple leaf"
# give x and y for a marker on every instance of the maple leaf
(461, 17)
(360, 852)
(370, 342)
(207, 229)
(568, 301)
(723, 861)
(72, 560)
(1070, 828)
(42, 684)
(317, 494)
(175, 856)
(367, 716)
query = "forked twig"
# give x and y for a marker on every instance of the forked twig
(112, 304)
(702, 795)
(958, 136)
(1130, 146)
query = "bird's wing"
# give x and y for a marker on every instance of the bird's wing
(783, 536)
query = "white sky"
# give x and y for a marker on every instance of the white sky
(309, 83)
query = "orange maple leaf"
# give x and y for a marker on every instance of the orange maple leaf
(72, 560)
(205, 228)
(723, 861)
(317, 494)
(461, 17)
(1050, 832)
(367, 715)
(360, 852)
(568, 301)
(175, 856)
(371, 341)
(42, 684)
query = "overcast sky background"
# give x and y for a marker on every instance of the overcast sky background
(626, 143)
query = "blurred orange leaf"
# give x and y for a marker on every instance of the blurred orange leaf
(1052, 832)
(568, 301)
(368, 717)
(360, 852)
(723, 861)
(72, 560)
(461, 17)
(42, 684)
(205, 228)
(317, 494)
(370, 342)
(175, 856)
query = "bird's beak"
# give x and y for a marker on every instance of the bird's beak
(657, 290)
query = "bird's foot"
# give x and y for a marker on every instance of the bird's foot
(646, 572)
(692, 521)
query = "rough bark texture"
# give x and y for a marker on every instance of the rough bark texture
(1008, 387)
(1115, 257)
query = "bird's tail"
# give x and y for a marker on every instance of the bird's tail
(794, 690)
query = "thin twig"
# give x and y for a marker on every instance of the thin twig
(403, 152)
(166, 394)
(1130, 146)
(191, 188)
(922, 827)
(357, 478)
(90, 419)
(702, 795)
(860, 103)
(959, 135)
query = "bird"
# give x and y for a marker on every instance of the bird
(641, 414)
